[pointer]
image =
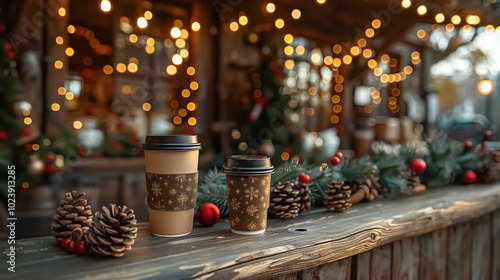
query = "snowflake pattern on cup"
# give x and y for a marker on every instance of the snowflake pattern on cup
(248, 201)
(171, 192)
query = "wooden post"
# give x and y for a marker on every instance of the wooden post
(406, 259)
(460, 252)
(433, 252)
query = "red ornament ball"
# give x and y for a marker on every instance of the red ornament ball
(68, 245)
(304, 178)
(335, 161)
(469, 177)
(339, 155)
(82, 151)
(52, 168)
(3, 135)
(418, 165)
(51, 158)
(81, 248)
(207, 214)
(467, 144)
(487, 134)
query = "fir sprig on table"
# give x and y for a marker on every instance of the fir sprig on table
(213, 189)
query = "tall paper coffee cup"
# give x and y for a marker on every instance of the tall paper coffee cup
(171, 183)
(248, 189)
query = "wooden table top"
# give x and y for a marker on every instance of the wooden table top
(313, 238)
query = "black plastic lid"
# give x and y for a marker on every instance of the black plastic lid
(247, 165)
(171, 143)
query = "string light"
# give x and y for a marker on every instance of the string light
(58, 64)
(195, 26)
(279, 23)
(132, 67)
(191, 71)
(367, 53)
(69, 96)
(61, 91)
(70, 51)
(121, 67)
(148, 15)
(439, 17)
(186, 93)
(55, 107)
(243, 20)
(347, 59)
(270, 7)
(422, 10)
(176, 59)
(485, 87)
(175, 32)
(321, 1)
(132, 38)
(456, 19)
(107, 69)
(296, 14)
(77, 124)
(337, 62)
(191, 106)
(369, 32)
(376, 23)
(180, 43)
(288, 38)
(71, 29)
(372, 63)
(192, 121)
(105, 6)
(142, 22)
(288, 50)
(421, 34)
(194, 85)
(61, 11)
(146, 107)
(362, 42)
(59, 40)
(406, 4)
(450, 27)
(234, 26)
(355, 51)
(472, 19)
(177, 120)
(489, 28)
(337, 48)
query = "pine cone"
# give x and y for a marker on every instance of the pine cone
(487, 173)
(112, 233)
(338, 196)
(371, 186)
(73, 213)
(285, 201)
(305, 196)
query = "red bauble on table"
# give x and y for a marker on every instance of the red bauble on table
(469, 177)
(467, 144)
(335, 161)
(304, 178)
(418, 165)
(207, 214)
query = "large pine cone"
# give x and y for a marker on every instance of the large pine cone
(338, 196)
(305, 196)
(371, 186)
(73, 213)
(285, 201)
(487, 172)
(112, 232)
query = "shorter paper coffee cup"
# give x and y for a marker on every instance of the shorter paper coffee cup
(248, 188)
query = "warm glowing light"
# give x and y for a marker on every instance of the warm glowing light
(69, 95)
(70, 51)
(142, 22)
(178, 23)
(270, 7)
(339, 79)
(150, 49)
(335, 99)
(296, 14)
(105, 6)
(77, 124)
(279, 23)
(177, 59)
(191, 71)
(61, 11)
(369, 32)
(377, 71)
(456, 19)
(328, 60)
(234, 26)
(186, 93)
(406, 4)
(61, 91)
(175, 32)
(174, 104)
(337, 48)
(71, 29)
(150, 41)
(338, 87)
(171, 70)
(347, 59)
(285, 156)
(132, 67)
(450, 27)
(367, 53)
(59, 40)
(184, 53)
(385, 58)
(393, 62)
(191, 106)
(195, 26)
(288, 38)
(337, 108)
(191, 121)
(180, 43)
(439, 17)
(107, 69)
(362, 42)
(177, 120)
(315, 57)
(408, 70)
(182, 112)
(384, 78)
(472, 19)
(121, 68)
(193, 85)
(146, 107)
(243, 20)
(489, 28)
(372, 63)
(28, 121)
(376, 23)
(355, 51)
(55, 107)
(421, 33)
(148, 15)
(337, 62)
(58, 64)
(485, 87)
(321, 1)
(422, 10)
(467, 28)
(334, 119)
(132, 38)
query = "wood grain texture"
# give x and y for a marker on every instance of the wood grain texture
(459, 262)
(495, 217)
(289, 276)
(362, 268)
(481, 248)
(216, 252)
(433, 253)
(406, 259)
(380, 263)
(338, 270)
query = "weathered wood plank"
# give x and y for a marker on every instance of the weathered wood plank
(496, 245)
(406, 259)
(481, 248)
(460, 252)
(380, 262)
(289, 276)
(338, 270)
(217, 252)
(433, 252)
(363, 266)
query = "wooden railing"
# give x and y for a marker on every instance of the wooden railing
(448, 233)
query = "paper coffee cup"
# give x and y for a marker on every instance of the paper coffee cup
(248, 188)
(171, 183)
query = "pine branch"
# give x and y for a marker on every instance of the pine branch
(288, 171)
(358, 170)
(214, 176)
(216, 194)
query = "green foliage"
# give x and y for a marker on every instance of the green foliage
(357, 170)
(390, 170)
(213, 189)
(288, 171)
(443, 163)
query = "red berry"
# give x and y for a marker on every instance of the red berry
(487, 134)
(65, 242)
(81, 248)
(418, 165)
(335, 161)
(70, 246)
(3, 135)
(51, 157)
(304, 178)
(467, 144)
(207, 214)
(339, 155)
(52, 168)
(469, 177)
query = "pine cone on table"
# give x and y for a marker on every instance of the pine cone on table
(338, 196)
(413, 182)
(371, 186)
(305, 196)
(487, 172)
(285, 201)
(112, 232)
(73, 213)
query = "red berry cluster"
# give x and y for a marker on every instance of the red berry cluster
(304, 178)
(70, 246)
(50, 161)
(336, 158)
